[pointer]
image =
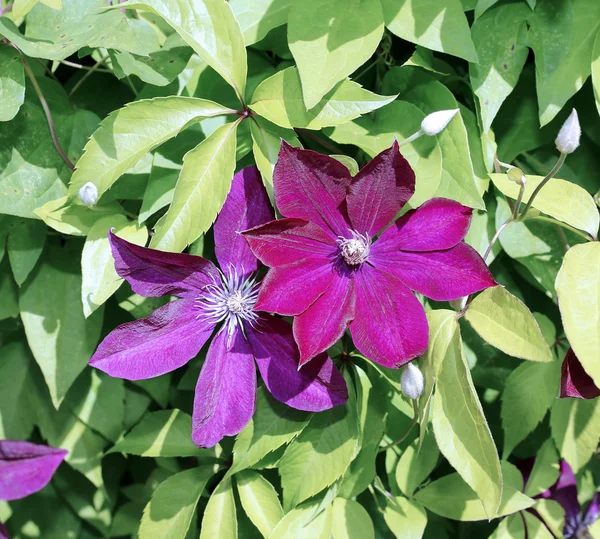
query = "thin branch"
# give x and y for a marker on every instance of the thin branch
(320, 140)
(87, 75)
(408, 429)
(561, 224)
(81, 66)
(548, 177)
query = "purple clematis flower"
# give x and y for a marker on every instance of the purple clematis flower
(574, 381)
(170, 337)
(328, 272)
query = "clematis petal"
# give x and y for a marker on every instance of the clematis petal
(564, 491)
(436, 225)
(288, 240)
(390, 326)
(3, 532)
(325, 321)
(593, 511)
(379, 191)
(153, 273)
(26, 468)
(226, 391)
(312, 187)
(439, 275)
(574, 381)
(290, 290)
(315, 387)
(247, 206)
(149, 347)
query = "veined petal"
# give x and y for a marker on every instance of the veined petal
(226, 391)
(439, 275)
(592, 511)
(312, 187)
(288, 240)
(153, 273)
(379, 191)
(149, 347)
(26, 468)
(315, 387)
(390, 326)
(247, 206)
(574, 381)
(436, 225)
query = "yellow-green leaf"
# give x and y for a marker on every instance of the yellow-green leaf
(405, 518)
(259, 500)
(351, 520)
(220, 519)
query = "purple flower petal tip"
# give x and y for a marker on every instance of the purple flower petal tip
(574, 381)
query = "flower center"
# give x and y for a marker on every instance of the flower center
(354, 250)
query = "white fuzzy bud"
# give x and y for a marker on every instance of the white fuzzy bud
(88, 194)
(459, 304)
(412, 381)
(568, 137)
(436, 122)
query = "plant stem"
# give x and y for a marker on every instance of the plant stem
(517, 207)
(87, 68)
(561, 224)
(408, 140)
(547, 178)
(93, 69)
(408, 429)
(322, 141)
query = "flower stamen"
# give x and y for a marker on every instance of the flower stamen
(354, 250)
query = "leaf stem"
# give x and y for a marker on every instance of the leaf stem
(408, 140)
(81, 66)
(546, 179)
(561, 224)
(408, 429)
(320, 140)
(93, 69)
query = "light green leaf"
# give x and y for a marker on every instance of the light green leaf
(501, 59)
(405, 518)
(210, 28)
(439, 26)
(160, 187)
(259, 500)
(529, 392)
(535, 527)
(25, 243)
(553, 515)
(505, 322)
(279, 100)
(258, 17)
(12, 83)
(220, 520)
(416, 463)
(330, 40)
(596, 70)
(128, 134)
(22, 7)
(578, 290)
(301, 523)
(350, 520)
(99, 277)
(166, 433)
(349, 162)
(9, 295)
(545, 472)
(170, 511)
(461, 430)
(575, 425)
(511, 527)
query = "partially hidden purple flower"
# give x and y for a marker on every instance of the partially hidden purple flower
(226, 391)
(330, 274)
(574, 381)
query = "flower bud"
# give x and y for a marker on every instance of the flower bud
(88, 194)
(436, 122)
(568, 137)
(459, 304)
(515, 174)
(412, 381)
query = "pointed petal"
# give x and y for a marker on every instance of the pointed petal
(574, 381)
(321, 325)
(439, 275)
(593, 511)
(290, 290)
(288, 240)
(226, 391)
(565, 493)
(379, 191)
(247, 206)
(26, 468)
(312, 187)
(315, 387)
(149, 347)
(438, 224)
(390, 326)
(153, 273)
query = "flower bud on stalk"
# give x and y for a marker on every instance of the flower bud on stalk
(412, 381)
(515, 174)
(436, 122)
(88, 194)
(568, 137)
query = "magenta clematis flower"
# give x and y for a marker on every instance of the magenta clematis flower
(329, 272)
(170, 337)
(574, 381)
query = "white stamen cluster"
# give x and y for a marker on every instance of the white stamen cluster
(354, 250)
(230, 301)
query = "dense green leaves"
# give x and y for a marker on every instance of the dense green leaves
(257, 17)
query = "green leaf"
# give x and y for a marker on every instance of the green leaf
(9, 295)
(61, 339)
(529, 392)
(535, 527)
(461, 429)
(330, 40)
(552, 514)
(350, 520)
(415, 464)
(170, 511)
(258, 17)
(301, 523)
(501, 59)
(259, 500)
(203, 185)
(578, 290)
(596, 70)
(160, 188)
(505, 322)
(463, 503)
(210, 28)
(575, 425)
(405, 518)
(545, 472)
(12, 83)
(99, 277)
(512, 527)
(167, 433)
(279, 100)
(25, 243)
(220, 520)
(128, 134)
(439, 26)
